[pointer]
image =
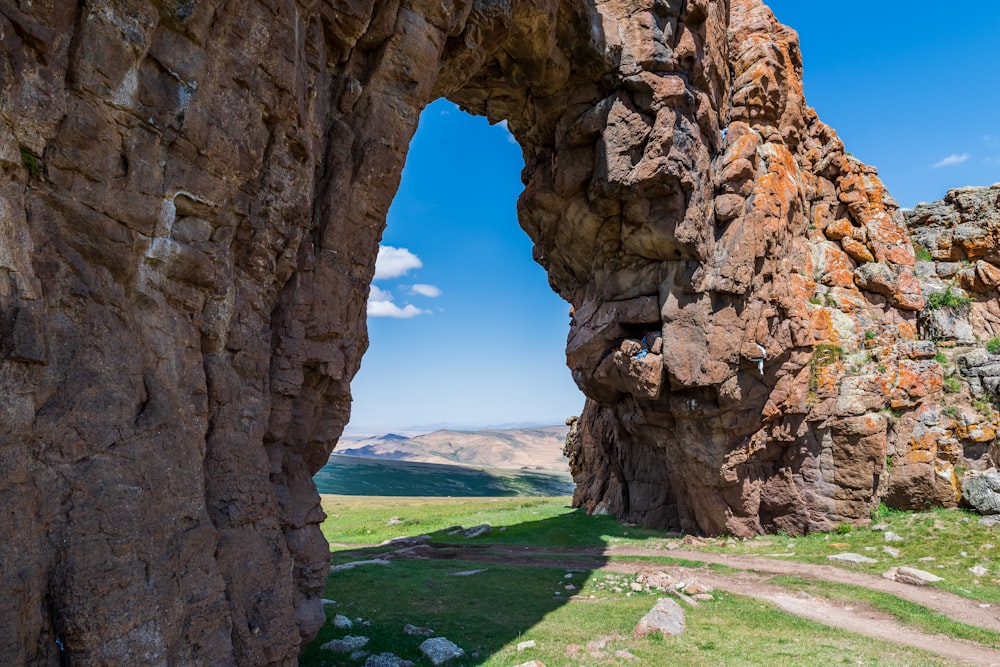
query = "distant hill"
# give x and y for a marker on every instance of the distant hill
(521, 448)
(356, 476)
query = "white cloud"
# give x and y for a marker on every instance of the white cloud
(380, 304)
(394, 262)
(426, 290)
(952, 160)
(510, 135)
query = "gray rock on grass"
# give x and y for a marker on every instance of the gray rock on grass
(440, 650)
(851, 558)
(982, 491)
(666, 617)
(417, 631)
(387, 660)
(476, 531)
(346, 644)
(911, 575)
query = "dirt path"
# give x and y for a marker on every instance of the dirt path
(752, 579)
(953, 606)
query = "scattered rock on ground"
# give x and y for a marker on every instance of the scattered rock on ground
(979, 570)
(417, 631)
(525, 645)
(990, 521)
(359, 563)
(476, 531)
(342, 622)
(892, 537)
(851, 558)
(531, 663)
(911, 575)
(346, 644)
(655, 579)
(665, 617)
(407, 541)
(892, 551)
(325, 601)
(466, 573)
(440, 650)
(695, 587)
(600, 643)
(393, 521)
(387, 660)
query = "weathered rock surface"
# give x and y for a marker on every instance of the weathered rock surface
(440, 650)
(191, 203)
(959, 240)
(982, 491)
(780, 275)
(666, 618)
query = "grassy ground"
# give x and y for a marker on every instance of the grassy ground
(351, 475)
(952, 540)
(947, 543)
(548, 521)
(490, 612)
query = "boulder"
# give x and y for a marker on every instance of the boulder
(666, 618)
(982, 491)
(346, 644)
(440, 650)
(387, 660)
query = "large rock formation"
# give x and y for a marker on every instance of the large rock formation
(192, 198)
(779, 273)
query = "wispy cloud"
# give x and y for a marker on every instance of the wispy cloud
(394, 262)
(510, 135)
(380, 304)
(991, 140)
(952, 160)
(425, 290)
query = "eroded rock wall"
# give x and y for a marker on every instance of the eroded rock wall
(192, 198)
(781, 282)
(191, 203)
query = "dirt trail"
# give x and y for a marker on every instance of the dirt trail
(753, 580)
(953, 606)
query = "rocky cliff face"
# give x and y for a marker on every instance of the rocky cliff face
(192, 197)
(784, 293)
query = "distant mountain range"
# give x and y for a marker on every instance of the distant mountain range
(538, 448)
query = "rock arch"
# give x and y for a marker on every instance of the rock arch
(192, 199)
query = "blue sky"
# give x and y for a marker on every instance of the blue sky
(464, 328)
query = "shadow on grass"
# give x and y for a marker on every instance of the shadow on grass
(356, 476)
(479, 592)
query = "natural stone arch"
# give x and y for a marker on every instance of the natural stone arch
(192, 200)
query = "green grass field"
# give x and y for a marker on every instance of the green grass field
(489, 613)
(355, 476)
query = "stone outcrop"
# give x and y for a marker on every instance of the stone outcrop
(780, 275)
(959, 245)
(957, 255)
(192, 198)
